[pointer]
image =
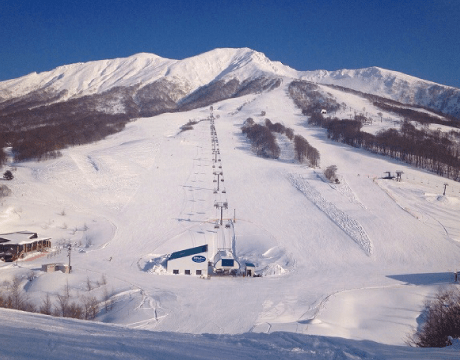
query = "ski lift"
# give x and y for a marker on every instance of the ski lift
(214, 180)
(224, 191)
(216, 226)
(215, 191)
(227, 226)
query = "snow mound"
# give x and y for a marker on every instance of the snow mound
(273, 270)
(156, 265)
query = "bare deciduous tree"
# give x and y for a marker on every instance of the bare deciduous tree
(47, 306)
(90, 307)
(330, 173)
(108, 302)
(89, 286)
(4, 191)
(63, 305)
(16, 296)
(441, 320)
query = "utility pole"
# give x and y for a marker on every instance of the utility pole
(445, 187)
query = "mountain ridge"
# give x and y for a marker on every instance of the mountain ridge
(146, 84)
(141, 69)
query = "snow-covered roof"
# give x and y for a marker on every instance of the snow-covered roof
(188, 252)
(21, 237)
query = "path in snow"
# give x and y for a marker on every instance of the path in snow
(349, 225)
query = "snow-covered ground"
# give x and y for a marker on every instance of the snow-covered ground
(55, 339)
(355, 260)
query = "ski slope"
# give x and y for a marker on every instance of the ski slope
(51, 338)
(355, 260)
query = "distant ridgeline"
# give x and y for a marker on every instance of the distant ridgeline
(433, 150)
(36, 128)
(41, 114)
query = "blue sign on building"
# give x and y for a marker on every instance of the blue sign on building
(199, 259)
(228, 262)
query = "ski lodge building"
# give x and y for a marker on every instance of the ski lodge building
(18, 244)
(193, 261)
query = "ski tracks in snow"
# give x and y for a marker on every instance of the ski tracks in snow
(344, 189)
(349, 225)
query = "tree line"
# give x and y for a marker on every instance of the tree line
(85, 307)
(308, 97)
(409, 111)
(432, 150)
(42, 133)
(264, 143)
(435, 151)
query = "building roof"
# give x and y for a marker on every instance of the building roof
(250, 265)
(188, 252)
(21, 237)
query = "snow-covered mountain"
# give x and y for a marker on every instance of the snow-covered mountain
(154, 84)
(354, 260)
(343, 264)
(393, 85)
(141, 71)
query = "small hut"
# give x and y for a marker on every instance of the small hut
(56, 267)
(250, 269)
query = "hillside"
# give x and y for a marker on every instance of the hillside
(393, 85)
(355, 260)
(41, 114)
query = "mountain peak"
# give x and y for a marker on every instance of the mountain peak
(220, 64)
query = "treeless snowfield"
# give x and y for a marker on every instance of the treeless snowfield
(355, 260)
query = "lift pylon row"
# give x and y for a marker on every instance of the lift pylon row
(217, 172)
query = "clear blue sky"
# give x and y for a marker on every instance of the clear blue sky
(416, 37)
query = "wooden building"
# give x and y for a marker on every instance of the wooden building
(17, 245)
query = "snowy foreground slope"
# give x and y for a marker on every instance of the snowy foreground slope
(356, 260)
(50, 338)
